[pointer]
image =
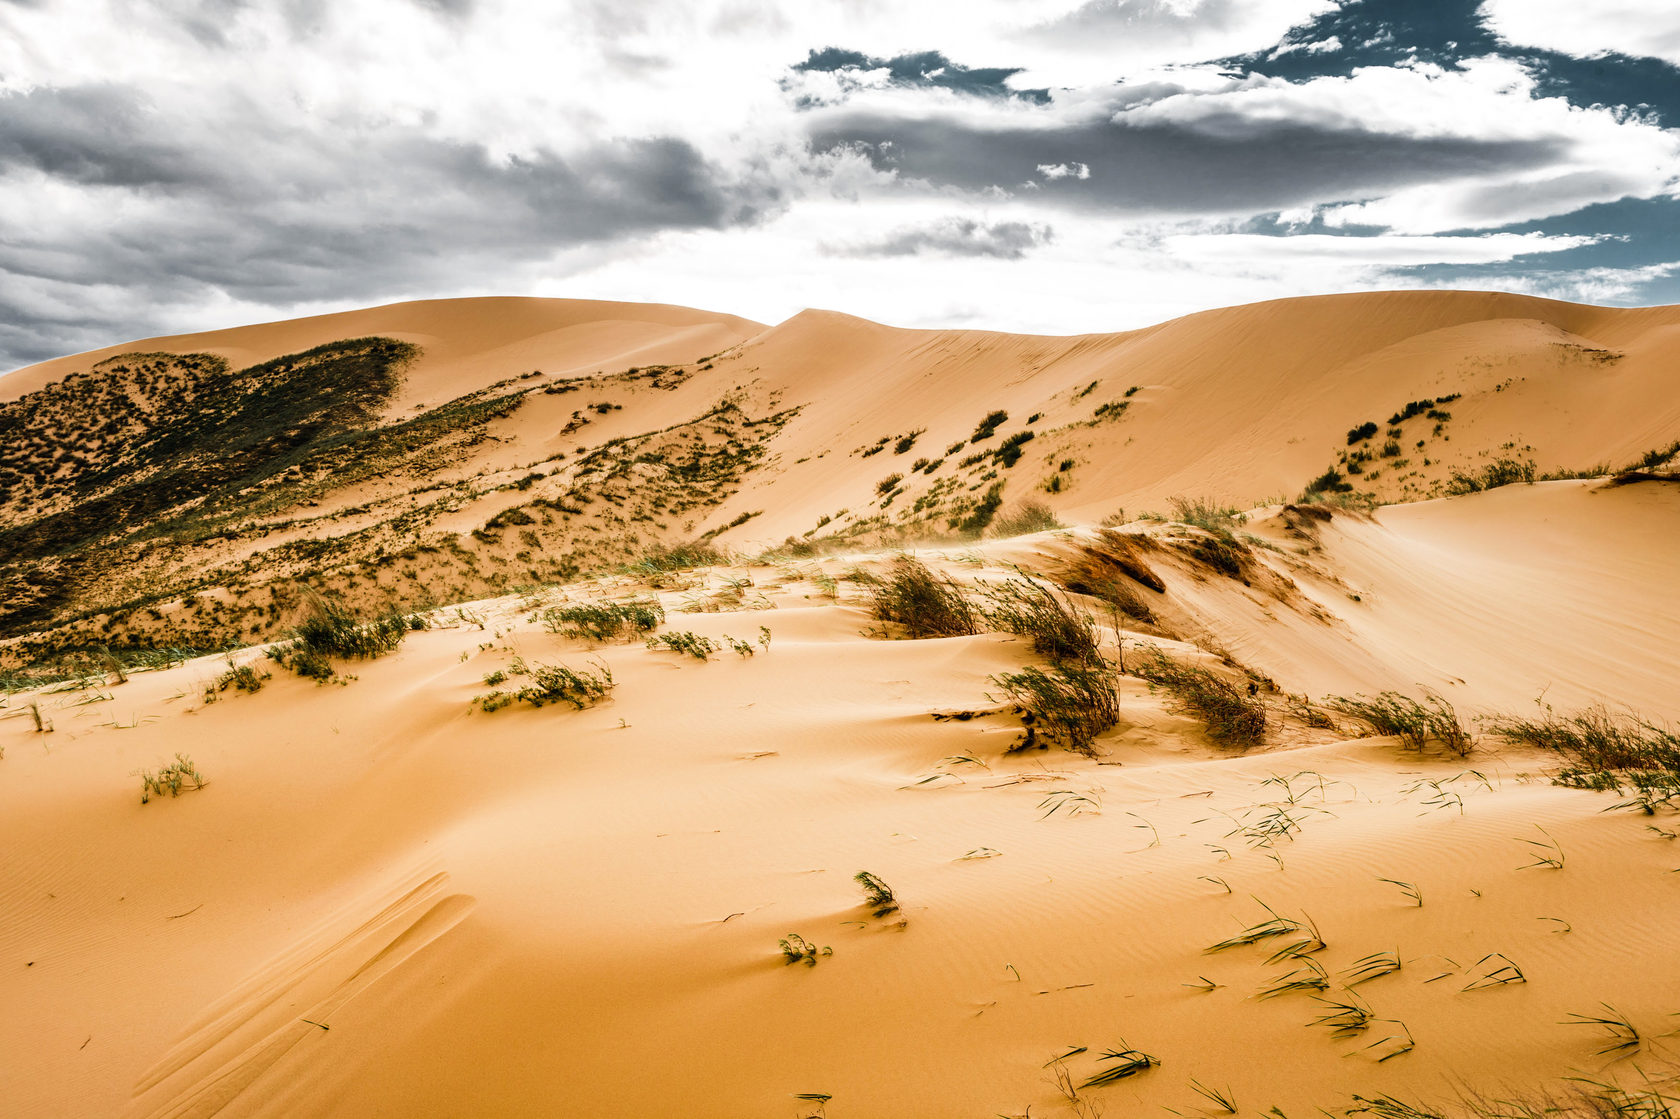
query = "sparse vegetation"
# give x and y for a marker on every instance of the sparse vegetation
(685, 641)
(555, 683)
(605, 621)
(923, 603)
(1068, 706)
(1606, 751)
(797, 950)
(1415, 724)
(1028, 516)
(1234, 715)
(180, 776)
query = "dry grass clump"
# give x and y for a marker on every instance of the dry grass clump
(180, 776)
(1234, 716)
(332, 630)
(1608, 751)
(1024, 518)
(1414, 723)
(680, 557)
(1057, 629)
(601, 622)
(1499, 472)
(555, 683)
(1101, 569)
(923, 603)
(1069, 705)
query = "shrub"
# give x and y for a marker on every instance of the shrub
(1234, 716)
(241, 677)
(889, 483)
(1414, 723)
(981, 515)
(1361, 433)
(1328, 482)
(905, 442)
(988, 426)
(605, 621)
(1111, 556)
(1009, 451)
(1069, 705)
(1056, 628)
(923, 603)
(1028, 516)
(331, 630)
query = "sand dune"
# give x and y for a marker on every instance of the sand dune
(388, 899)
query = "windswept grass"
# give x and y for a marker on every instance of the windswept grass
(1108, 567)
(923, 603)
(604, 622)
(1234, 716)
(1605, 750)
(1024, 518)
(332, 630)
(1057, 629)
(1499, 472)
(1069, 705)
(878, 897)
(555, 683)
(1415, 724)
(680, 557)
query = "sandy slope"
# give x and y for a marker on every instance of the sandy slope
(558, 912)
(388, 902)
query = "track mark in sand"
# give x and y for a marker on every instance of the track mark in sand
(255, 1033)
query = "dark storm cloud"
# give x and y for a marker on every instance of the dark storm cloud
(91, 134)
(281, 217)
(924, 70)
(1223, 163)
(1005, 240)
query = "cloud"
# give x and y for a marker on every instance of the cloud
(1421, 148)
(1641, 28)
(105, 192)
(850, 70)
(1004, 240)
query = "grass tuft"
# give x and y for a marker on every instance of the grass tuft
(178, 777)
(923, 603)
(1414, 723)
(1234, 716)
(605, 621)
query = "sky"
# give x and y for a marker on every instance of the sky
(1049, 166)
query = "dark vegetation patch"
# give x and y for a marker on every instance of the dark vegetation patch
(1234, 714)
(924, 604)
